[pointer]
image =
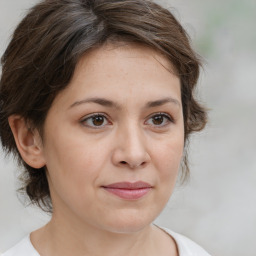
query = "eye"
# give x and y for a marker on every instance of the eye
(95, 121)
(159, 120)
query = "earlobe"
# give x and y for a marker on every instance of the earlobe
(27, 141)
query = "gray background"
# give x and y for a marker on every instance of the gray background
(217, 207)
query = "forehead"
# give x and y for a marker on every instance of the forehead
(124, 51)
(122, 72)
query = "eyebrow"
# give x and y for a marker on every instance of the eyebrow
(156, 103)
(107, 103)
(101, 101)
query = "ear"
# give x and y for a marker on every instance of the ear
(28, 142)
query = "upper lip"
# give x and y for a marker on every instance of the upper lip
(129, 185)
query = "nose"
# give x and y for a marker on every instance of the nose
(130, 149)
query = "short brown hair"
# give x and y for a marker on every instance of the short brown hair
(48, 43)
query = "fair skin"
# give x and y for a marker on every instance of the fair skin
(137, 135)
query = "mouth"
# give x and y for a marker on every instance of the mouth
(128, 190)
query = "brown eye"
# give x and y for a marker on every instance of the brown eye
(159, 120)
(95, 121)
(98, 120)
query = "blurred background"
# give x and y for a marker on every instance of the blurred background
(217, 206)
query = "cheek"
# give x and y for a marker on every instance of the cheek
(72, 163)
(167, 164)
(72, 175)
(168, 157)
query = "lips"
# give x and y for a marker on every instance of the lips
(128, 190)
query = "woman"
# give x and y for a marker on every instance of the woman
(97, 105)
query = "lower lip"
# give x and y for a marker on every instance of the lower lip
(129, 194)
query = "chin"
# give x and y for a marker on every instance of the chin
(129, 223)
(127, 228)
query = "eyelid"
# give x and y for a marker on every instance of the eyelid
(164, 114)
(84, 118)
(161, 113)
(107, 118)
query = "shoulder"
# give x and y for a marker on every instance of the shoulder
(186, 246)
(23, 248)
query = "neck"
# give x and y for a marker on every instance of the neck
(64, 238)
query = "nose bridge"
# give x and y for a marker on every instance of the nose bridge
(133, 137)
(131, 146)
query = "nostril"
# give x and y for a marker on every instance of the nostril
(133, 165)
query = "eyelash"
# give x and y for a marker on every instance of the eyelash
(90, 117)
(165, 116)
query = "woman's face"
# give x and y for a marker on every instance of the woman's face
(113, 139)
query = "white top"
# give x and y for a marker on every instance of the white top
(186, 247)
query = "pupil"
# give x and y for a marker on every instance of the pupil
(98, 120)
(157, 120)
